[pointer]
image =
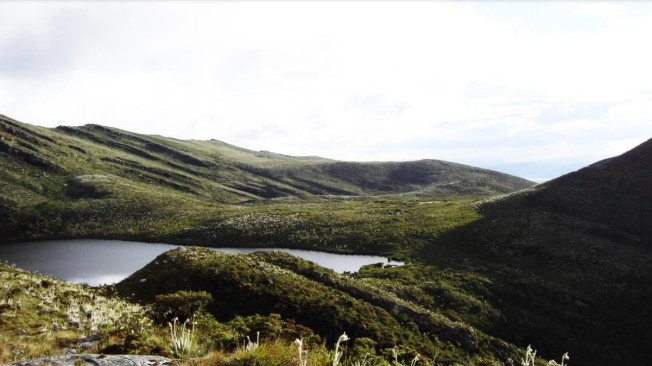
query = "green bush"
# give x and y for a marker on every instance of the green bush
(272, 326)
(77, 189)
(183, 305)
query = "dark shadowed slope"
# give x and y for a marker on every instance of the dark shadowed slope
(576, 260)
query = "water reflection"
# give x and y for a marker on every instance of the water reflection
(109, 261)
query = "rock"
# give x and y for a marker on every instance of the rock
(581, 303)
(87, 342)
(462, 336)
(99, 360)
(315, 274)
(91, 338)
(360, 330)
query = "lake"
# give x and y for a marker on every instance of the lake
(109, 261)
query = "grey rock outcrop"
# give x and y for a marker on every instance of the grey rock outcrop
(98, 360)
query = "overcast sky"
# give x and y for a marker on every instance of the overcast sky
(532, 89)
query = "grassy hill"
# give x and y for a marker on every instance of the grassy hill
(95, 181)
(318, 299)
(247, 309)
(229, 173)
(574, 257)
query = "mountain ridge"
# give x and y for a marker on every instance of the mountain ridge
(246, 172)
(53, 180)
(582, 246)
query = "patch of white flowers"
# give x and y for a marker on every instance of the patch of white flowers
(70, 305)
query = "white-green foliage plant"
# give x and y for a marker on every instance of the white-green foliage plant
(531, 355)
(253, 346)
(182, 338)
(338, 354)
(303, 359)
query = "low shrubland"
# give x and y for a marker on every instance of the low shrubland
(43, 316)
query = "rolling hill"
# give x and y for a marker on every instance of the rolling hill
(229, 173)
(53, 181)
(574, 256)
(267, 283)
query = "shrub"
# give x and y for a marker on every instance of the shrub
(272, 326)
(78, 189)
(183, 305)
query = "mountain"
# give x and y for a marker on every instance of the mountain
(575, 257)
(203, 167)
(52, 177)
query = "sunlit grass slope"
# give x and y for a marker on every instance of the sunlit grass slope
(94, 181)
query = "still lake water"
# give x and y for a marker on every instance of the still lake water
(109, 261)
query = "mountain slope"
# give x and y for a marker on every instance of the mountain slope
(228, 173)
(576, 260)
(94, 181)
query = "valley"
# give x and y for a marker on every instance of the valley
(493, 263)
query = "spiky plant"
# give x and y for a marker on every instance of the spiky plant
(531, 355)
(182, 338)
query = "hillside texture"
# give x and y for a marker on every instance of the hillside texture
(575, 256)
(94, 181)
(272, 282)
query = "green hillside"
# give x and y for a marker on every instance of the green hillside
(95, 181)
(575, 258)
(317, 298)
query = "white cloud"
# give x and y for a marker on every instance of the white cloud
(347, 80)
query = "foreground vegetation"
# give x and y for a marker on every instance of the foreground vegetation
(369, 311)
(42, 316)
(39, 316)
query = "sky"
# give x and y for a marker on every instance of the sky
(534, 89)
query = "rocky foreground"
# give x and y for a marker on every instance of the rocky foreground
(99, 360)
